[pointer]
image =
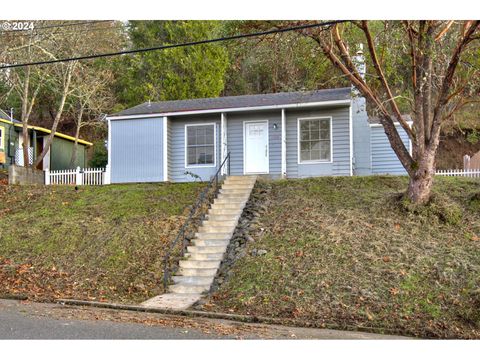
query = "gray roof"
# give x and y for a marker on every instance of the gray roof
(376, 119)
(243, 101)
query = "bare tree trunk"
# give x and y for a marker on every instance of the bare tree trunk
(58, 116)
(26, 139)
(421, 181)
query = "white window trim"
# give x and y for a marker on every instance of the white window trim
(214, 146)
(245, 122)
(331, 141)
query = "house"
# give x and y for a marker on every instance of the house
(58, 157)
(291, 134)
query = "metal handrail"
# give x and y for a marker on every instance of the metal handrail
(182, 232)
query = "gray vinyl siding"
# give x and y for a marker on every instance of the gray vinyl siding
(177, 148)
(136, 150)
(235, 129)
(340, 137)
(384, 159)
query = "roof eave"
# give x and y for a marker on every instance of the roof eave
(48, 131)
(344, 102)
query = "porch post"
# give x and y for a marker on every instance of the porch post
(34, 145)
(284, 144)
(223, 142)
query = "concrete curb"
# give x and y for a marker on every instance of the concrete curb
(224, 316)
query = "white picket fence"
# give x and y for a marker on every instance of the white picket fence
(460, 172)
(78, 176)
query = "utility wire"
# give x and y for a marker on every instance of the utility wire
(172, 46)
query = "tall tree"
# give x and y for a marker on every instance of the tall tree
(275, 63)
(441, 81)
(177, 73)
(90, 99)
(53, 83)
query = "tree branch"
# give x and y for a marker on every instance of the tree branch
(383, 81)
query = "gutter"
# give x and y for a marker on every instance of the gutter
(39, 128)
(227, 110)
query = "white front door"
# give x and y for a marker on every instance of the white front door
(256, 147)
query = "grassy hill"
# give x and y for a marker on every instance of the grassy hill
(346, 252)
(102, 243)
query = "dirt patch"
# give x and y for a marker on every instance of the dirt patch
(453, 146)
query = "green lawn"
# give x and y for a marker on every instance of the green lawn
(103, 243)
(346, 252)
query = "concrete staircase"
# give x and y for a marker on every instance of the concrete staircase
(203, 258)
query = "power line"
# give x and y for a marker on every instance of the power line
(172, 46)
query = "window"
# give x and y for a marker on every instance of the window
(200, 145)
(314, 143)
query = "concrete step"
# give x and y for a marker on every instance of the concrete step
(238, 186)
(206, 249)
(172, 301)
(220, 211)
(211, 242)
(245, 186)
(213, 236)
(188, 289)
(211, 222)
(227, 201)
(214, 217)
(197, 272)
(231, 191)
(200, 264)
(227, 206)
(208, 256)
(234, 191)
(193, 280)
(232, 197)
(207, 228)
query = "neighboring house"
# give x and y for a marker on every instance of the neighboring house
(58, 157)
(293, 135)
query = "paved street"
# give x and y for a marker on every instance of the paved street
(27, 320)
